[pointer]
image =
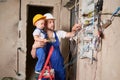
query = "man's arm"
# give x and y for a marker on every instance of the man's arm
(69, 34)
(75, 28)
(33, 52)
(35, 46)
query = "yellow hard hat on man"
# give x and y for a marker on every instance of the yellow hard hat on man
(38, 17)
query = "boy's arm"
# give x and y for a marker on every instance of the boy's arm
(38, 38)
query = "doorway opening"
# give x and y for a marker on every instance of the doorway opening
(31, 11)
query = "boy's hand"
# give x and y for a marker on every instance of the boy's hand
(51, 40)
(46, 40)
(39, 44)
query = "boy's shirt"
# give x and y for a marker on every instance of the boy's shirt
(39, 32)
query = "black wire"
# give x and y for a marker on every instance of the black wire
(100, 5)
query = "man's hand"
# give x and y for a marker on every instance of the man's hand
(35, 46)
(76, 27)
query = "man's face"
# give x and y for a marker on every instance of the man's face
(50, 24)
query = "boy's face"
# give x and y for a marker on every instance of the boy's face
(40, 24)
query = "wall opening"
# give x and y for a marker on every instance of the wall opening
(31, 11)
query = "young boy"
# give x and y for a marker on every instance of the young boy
(39, 35)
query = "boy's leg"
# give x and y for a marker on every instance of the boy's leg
(41, 59)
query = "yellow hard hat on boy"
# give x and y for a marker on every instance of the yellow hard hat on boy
(37, 17)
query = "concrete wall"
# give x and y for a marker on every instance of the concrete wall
(110, 50)
(9, 17)
(108, 61)
(9, 42)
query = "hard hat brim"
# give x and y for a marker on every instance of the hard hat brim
(43, 17)
(50, 19)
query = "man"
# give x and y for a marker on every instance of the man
(57, 61)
